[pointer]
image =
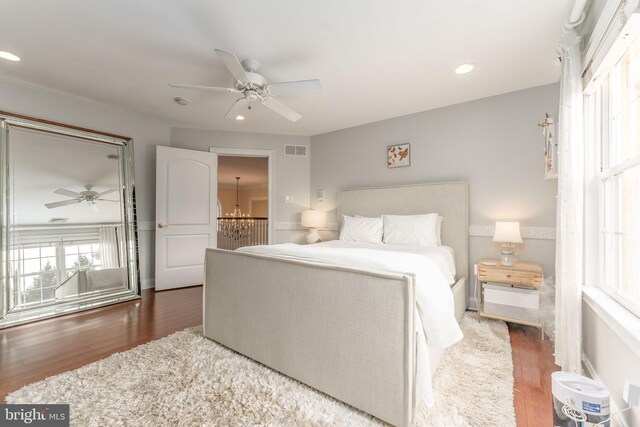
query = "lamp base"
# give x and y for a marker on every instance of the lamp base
(506, 255)
(313, 237)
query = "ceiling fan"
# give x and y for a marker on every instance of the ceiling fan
(254, 87)
(88, 196)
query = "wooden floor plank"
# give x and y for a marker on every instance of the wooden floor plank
(532, 367)
(32, 352)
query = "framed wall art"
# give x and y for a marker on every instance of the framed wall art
(398, 156)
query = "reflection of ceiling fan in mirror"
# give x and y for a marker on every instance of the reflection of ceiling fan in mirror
(255, 88)
(89, 196)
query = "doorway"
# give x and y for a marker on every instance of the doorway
(245, 197)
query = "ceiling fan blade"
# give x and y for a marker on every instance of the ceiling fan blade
(281, 109)
(302, 87)
(63, 203)
(68, 193)
(235, 109)
(233, 65)
(208, 88)
(106, 192)
(106, 200)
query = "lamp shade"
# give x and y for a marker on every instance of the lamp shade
(313, 219)
(507, 232)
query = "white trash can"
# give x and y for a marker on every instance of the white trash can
(578, 401)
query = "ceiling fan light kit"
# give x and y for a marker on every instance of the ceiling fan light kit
(255, 88)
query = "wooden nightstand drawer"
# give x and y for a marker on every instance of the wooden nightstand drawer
(521, 274)
(523, 278)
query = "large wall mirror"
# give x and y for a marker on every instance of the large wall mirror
(68, 235)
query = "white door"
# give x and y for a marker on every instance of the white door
(186, 201)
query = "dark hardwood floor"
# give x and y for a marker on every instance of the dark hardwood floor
(38, 350)
(533, 363)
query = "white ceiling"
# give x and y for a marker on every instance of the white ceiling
(375, 59)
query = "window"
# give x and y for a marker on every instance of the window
(39, 268)
(82, 257)
(619, 179)
(38, 273)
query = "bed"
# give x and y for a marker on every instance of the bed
(348, 327)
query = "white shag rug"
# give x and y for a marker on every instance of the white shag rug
(187, 380)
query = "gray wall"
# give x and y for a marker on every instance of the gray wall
(493, 143)
(291, 173)
(146, 133)
(611, 358)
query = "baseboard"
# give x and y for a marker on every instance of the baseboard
(148, 283)
(591, 372)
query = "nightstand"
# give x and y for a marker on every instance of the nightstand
(511, 294)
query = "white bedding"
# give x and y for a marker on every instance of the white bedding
(435, 306)
(442, 256)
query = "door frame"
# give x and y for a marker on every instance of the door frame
(254, 152)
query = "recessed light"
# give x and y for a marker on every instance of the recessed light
(238, 117)
(464, 68)
(8, 56)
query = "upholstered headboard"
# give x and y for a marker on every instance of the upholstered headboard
(449, 199)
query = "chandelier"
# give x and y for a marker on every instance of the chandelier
(236, 226)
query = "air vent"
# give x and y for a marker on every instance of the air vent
(58, 220)
(295, 150)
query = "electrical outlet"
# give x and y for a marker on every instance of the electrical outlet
(288, 199)
(631, 393)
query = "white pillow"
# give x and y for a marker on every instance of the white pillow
(418, 230)
(361, 229)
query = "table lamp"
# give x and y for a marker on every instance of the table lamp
(314, 220)
(508, 233)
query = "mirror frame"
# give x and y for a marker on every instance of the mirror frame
(132, 290)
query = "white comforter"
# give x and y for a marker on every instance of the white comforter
(435, 306)
(442, 256)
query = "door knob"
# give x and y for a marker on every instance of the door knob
(162, 225)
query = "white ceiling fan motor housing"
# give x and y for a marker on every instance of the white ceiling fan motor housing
(257, 81)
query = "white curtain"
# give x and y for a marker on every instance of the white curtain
(569, 239)
(109, 238)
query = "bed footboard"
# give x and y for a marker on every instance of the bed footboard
(346, 332)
